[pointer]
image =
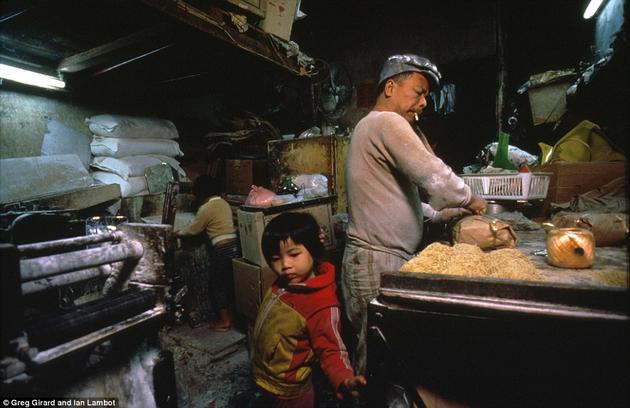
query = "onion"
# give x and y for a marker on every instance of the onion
(570, 248)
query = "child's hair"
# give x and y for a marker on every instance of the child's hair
(205, 186)
(300, 227)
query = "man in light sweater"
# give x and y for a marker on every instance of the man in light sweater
(387, 164)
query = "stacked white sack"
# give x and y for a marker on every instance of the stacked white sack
(125, 146)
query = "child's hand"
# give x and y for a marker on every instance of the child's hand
(351, 386)
(322, 236)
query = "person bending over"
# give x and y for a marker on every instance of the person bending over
(214, 218)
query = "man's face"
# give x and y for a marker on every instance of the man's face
(409, 96)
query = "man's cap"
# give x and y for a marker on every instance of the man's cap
(397, 64)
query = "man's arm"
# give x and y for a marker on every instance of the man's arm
(408, 154)
(445, 215)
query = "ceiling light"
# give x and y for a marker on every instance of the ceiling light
(592, 8)
(30, 77)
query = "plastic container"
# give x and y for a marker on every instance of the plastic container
(501, 159)
(509, 186)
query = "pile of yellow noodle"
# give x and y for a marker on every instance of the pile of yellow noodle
(470, 260)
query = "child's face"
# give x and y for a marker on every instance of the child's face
(294, 262)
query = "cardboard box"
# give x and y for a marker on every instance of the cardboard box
(250, 285)
(569, 179)
(252, 222)
(240, 174)
(279, 17)
(258, 7)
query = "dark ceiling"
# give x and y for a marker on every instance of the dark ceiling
(144, 45)
(147, 42)
(73, 37)
(136, 43)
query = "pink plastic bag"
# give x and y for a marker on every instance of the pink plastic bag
(260, 197)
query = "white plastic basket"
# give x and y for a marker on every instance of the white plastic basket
(509, 186)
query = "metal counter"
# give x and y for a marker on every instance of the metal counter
(498, 342)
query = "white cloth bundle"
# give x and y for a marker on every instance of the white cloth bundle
(133, 186)
(117, 147)
(311, 185)
(134, 166)
(131, 127)
(516, 156)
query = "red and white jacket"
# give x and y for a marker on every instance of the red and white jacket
(295, 327)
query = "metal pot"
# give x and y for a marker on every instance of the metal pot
(570, 247)
(493, 208)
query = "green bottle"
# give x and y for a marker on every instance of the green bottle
(501, 159)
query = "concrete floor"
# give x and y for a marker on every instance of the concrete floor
(212, 369)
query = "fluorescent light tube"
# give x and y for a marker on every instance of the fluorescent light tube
(592, 8)
(30, 77)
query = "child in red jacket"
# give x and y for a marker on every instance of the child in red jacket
(298, 321)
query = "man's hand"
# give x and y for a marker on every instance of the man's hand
(351, 386)
(448, 214)
(477, 205)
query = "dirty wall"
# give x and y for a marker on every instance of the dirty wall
(23, 118)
